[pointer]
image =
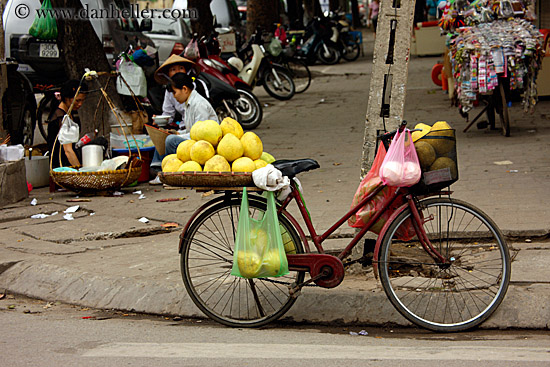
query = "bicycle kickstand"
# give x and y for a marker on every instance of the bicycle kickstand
(295, 289)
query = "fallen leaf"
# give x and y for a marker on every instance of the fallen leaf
(170, 225)
(336, 164)
(171, 199)
(208, 193)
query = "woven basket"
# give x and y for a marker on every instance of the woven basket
(96, 181)
(207, 179)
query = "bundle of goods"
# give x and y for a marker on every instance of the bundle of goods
(507, 48)
(489, 39)
(461, 13)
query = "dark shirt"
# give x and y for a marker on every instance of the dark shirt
(54, 124)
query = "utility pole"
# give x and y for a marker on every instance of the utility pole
(388, 84)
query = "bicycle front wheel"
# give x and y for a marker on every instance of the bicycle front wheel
(454, 295)
(207, 259)
(300, 74)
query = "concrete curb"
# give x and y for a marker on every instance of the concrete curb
(351, 303)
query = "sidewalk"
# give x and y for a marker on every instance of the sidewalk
(111, 260)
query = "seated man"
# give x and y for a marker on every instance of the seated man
(171, 107)
(197, 108)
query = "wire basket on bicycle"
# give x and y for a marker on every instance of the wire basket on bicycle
(436, 149)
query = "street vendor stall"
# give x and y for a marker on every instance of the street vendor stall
(495, 53)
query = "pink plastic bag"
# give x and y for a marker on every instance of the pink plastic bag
(401, 167)
(191, 51)
(370, 183)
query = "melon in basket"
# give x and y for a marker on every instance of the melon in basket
(172, 165)
(217, 164)
(190, 166)
(208, 130)
(202, 151)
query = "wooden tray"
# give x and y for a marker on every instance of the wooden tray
(207, 179)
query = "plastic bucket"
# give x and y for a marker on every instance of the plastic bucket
(38, 171)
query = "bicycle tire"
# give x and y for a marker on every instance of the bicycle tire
(503, 113)
(225, 298)
(285, 90)
(441, 297)
(300, 73)
(44, 107)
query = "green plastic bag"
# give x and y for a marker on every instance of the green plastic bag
(44, 26)
(259, 250)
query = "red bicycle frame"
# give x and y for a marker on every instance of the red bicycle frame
(318, 239)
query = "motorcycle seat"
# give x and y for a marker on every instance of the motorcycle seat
(291, 167)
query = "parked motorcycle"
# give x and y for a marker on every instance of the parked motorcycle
(256, 69)
(319, 44)
(247, 105)
(347, 41)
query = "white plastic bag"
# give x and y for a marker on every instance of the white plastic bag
(134, 76)
(69, 132)
(270, 178)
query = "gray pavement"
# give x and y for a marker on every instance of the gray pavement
(111, 260)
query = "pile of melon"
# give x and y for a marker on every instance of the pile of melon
(435, 147)
(217, 147)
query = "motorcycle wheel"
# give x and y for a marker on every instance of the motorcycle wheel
(328, 54)
(250, 109)
(282, 89)
(351, 50)
(227, 109)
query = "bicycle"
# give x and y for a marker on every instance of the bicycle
(451, 276)
(296, 67)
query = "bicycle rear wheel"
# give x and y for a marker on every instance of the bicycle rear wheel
(459, 294)
(45, 107)
(207, 259)
(300, 74)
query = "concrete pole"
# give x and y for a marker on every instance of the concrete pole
(388, 83)
(389, 76)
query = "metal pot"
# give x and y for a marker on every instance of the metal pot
(92, 155)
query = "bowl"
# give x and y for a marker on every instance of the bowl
(161, 120)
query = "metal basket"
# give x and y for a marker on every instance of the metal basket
(443, 171)
(434, 176)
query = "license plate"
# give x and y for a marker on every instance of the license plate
(49, 50)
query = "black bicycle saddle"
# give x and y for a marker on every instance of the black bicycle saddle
(291, 167)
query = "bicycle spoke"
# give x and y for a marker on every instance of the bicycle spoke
(206, 268)
(459, 293)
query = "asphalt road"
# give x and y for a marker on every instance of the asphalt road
(44, 334)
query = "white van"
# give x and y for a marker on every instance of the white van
(46, 67)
